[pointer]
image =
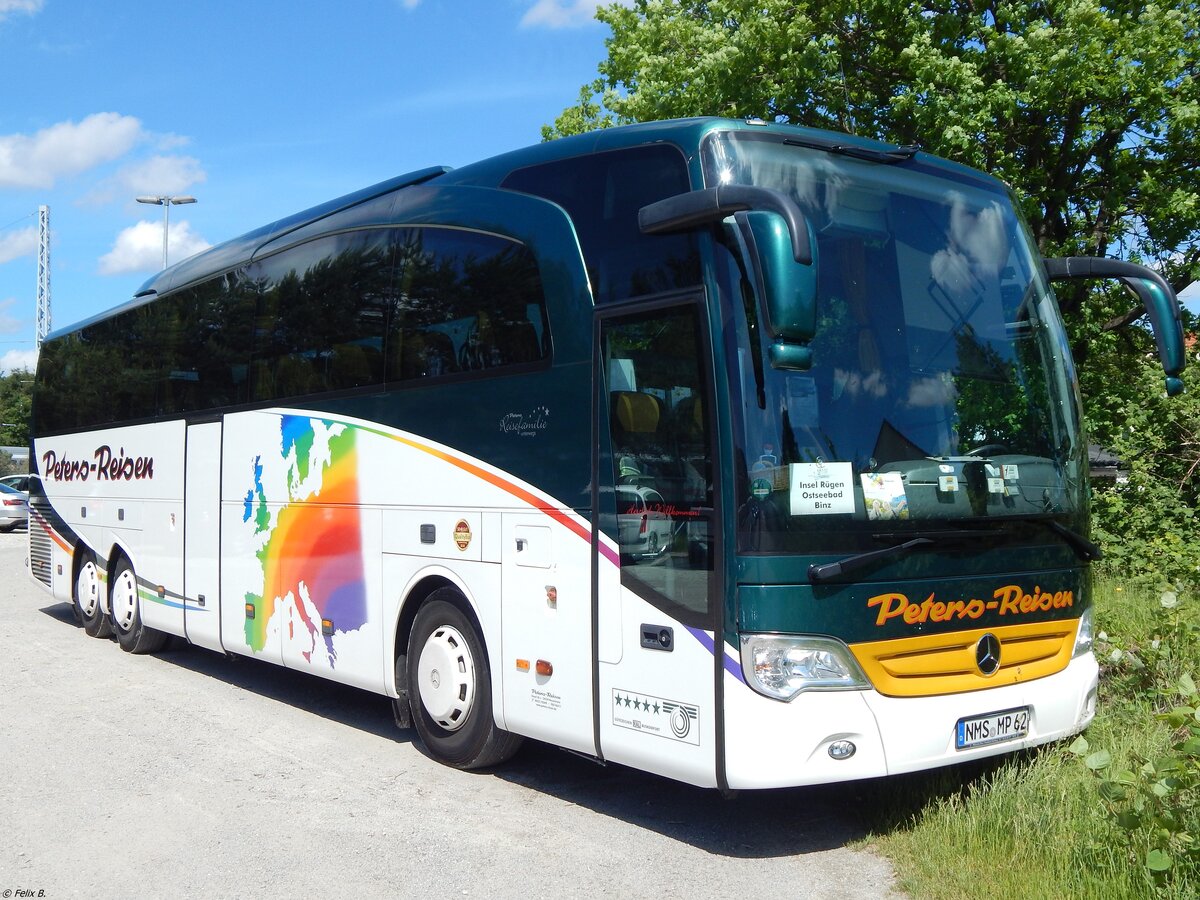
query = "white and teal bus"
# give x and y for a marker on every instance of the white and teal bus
(745, 454)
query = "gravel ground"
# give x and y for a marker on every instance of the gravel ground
(189, 774)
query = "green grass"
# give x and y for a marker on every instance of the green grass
(1035, 825)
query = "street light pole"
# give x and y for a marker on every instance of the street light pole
(165, 203)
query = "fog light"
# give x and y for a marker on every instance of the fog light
(841, 749)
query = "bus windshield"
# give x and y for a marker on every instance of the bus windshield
(941, 390)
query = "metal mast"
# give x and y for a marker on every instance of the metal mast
(43, 276)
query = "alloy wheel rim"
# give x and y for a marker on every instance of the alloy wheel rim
(446, 678)
(87, 589)
(124, 600)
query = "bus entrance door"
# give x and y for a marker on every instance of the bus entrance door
(658, 705)
(202, 536)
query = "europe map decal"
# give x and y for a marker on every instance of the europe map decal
(309, 542)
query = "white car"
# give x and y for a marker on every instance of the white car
(14, 510)
(644, 527)
(20, 482)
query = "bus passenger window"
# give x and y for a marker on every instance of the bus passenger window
(464, 302)
(320, 319)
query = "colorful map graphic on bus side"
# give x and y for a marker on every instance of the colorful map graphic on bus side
(311, 550)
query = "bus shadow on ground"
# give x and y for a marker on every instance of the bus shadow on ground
(751, 824)
(367, 712)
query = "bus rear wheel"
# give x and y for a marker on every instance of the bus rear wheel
(126, 607)
(450, 687)
(89, 606)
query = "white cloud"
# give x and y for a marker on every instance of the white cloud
(139, 248)
(410, 4)
(19, 360)
(162, 175)
(560, 14)
(66, 148)
(29, 7)
(10, 324)
(157, 175)
(15, 244)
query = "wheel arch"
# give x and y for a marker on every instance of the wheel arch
(116, 553)
(413, 597)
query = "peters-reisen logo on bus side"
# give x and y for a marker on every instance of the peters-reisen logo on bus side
(105, 466)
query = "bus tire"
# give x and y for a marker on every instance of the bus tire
(126, 611)
(450, 687)
(89, 604)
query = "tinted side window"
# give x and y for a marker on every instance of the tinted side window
(321, 316)
(464, 302)
(603, 193)
(215, 320)
(71, 381)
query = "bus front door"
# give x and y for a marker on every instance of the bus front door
(657, 601)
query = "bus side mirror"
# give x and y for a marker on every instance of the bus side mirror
(1159, 300)
(788, 288)
(778, 247)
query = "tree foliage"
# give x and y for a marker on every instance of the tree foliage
(15, 404)
(1088, 108)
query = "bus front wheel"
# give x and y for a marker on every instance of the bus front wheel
(450, 687)
(88, 604)
(126, 608)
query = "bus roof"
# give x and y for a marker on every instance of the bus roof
(687, 133)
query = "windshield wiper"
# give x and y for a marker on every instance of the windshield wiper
(1084, 548)
(829, 571)
(894, 154)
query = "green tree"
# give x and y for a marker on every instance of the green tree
(16, 391)
(1088, 108)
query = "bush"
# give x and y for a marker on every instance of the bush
(1154, 799)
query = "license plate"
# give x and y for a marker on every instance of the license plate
(992, 728)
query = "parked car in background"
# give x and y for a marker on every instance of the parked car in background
(643, 526)
(14, 509)
(20, 482)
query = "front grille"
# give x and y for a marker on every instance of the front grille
(936, 664)
(41, 548)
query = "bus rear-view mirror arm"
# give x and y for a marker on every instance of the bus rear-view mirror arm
(775, 242)
(1159, 300)
(695, 209)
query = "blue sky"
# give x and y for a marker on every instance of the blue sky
(257, 109)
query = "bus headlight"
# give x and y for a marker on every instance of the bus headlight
(782, 667)
(1083, 637)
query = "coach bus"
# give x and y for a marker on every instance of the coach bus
(745, 454)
